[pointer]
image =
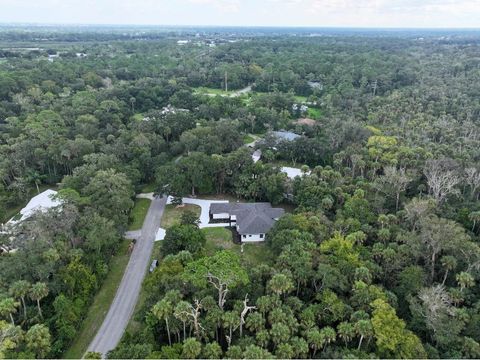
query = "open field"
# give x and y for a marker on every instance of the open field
(101, 302)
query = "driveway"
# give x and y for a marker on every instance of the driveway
(242, 91)
(204, 214)
(123, 305)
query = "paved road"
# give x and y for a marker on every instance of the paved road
(123, 304)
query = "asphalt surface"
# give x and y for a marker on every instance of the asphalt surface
(123, 305)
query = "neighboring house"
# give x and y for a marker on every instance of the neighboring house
(283, 135)
(315, 85)
(251, 220)
(306, 121)
(301, 108)
(292, 173)
(257, 154)
(41, 202)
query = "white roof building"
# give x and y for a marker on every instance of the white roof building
(41, 202)
(257, 154)
(292, 173)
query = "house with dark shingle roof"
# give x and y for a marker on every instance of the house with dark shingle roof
(251, 220)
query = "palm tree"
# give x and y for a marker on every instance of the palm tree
(364, 329)
(315, 339)
(475, 217)
(162, 310)
(346, 332)
(191, 348)
(329, 335)
(181, 313)
(465, 280)
(255, 322)
(19, 289)
(280, 284)
(8, 307)
(36, 178)
(449, 263)
(37, 292)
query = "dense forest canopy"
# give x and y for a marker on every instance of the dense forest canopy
(380, 256)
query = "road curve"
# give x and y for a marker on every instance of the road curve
(123, 305)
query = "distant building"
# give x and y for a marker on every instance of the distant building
(257, 154)
(285, 135)
(251, 220)
(51, 57)
(183, 42)
(306, 121)
(39, 203)
(315, 85)
(292, 173)
(300, 108)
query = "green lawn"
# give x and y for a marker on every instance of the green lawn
(138, 213)
(314, 113)
(101, 303)
(218, 237)
(172, 214)
(247, 139)
(221, 238)
(138, 117)
(10, 212)
(148, 188)
(300, 98)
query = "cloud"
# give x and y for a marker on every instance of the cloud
(222, 5)
(369, 13)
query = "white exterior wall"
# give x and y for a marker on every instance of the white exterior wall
(221, 216)
(253, 238)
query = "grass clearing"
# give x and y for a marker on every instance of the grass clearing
(314, 113)
(300, 98)
(101, 303)
(221, 239)
(148, 188)
(173, 213)
(247, 139)
(218, 237)
(138, 213)
(212, 91)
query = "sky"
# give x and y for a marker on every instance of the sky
(308, 13)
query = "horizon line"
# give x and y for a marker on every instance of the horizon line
(348, 27)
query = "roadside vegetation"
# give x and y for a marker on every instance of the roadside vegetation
(139, 211)
(101, 303)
